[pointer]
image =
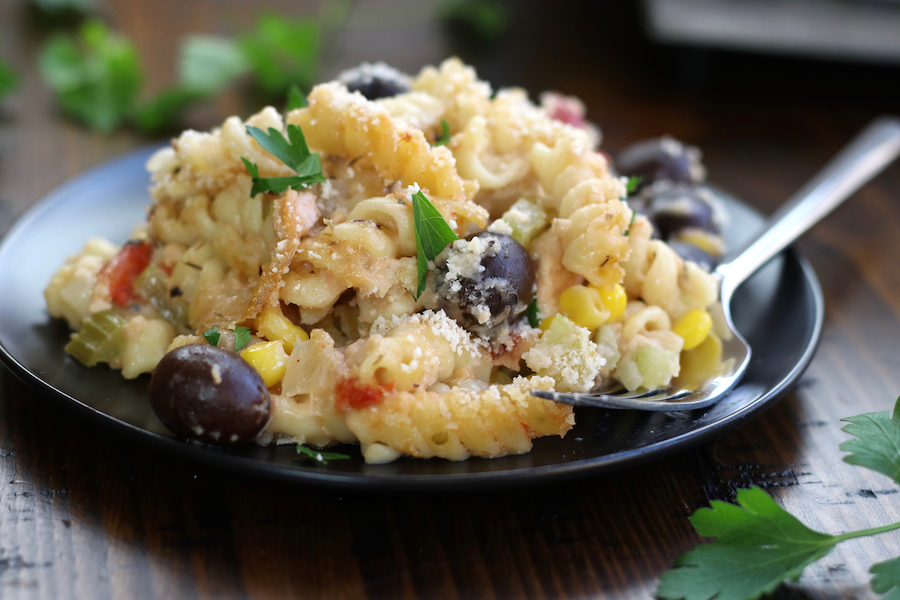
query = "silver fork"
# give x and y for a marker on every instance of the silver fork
(864, 157)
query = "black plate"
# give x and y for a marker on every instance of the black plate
(779, 310)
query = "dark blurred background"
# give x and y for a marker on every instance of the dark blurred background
(774, 74)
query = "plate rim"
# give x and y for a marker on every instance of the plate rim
(220, 459)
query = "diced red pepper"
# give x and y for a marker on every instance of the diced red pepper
(349, 395)
(123, 270)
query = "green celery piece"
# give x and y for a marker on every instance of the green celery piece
(656, 365)
(608, 345)
(560, 330)
(877, 445)
(758, 546)
(101, 339)
(96, 75)
(433, 234)
(152, 285)
(536, 221)
(886, 578)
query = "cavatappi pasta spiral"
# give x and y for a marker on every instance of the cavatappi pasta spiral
(329, 274)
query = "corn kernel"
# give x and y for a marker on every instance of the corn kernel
(269, 359)
(583, 306)
(614, 299)
(693, 327)
(546, 323)
(272, 325)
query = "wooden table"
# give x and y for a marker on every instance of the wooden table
(87, 514)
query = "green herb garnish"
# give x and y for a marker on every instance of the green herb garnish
(320, 456)
(212, 335)
(162, 111)
(241, 337)
(8, 79)
(296, 99)
(760, 545)
(209, 64)
(433, 234)
(294, 153)
(96, 75)
(445, 134)
(281, 53)
(633, 183)
(886, 578)
(533, 313)
(630, 223)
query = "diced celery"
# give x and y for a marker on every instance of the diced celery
(562, 331)
(152, 285)
(101, 339)
(657, 366)
(526, 219)
(647, 368)
(608, 345)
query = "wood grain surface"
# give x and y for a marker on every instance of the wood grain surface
(87, 514)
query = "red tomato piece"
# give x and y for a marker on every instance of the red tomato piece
(123, 269)
(351, 396)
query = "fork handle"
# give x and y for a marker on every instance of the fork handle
(864, 157)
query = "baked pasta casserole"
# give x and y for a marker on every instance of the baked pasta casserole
(549, 281)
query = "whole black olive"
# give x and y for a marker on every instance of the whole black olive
(661, 158)
(674, 207)
(375, 81)
(695, 254)
(485, 281)
(209, 394)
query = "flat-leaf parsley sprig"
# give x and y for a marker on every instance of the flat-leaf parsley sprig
(433, 234)
(759, 545)
(320, 456)
(293, 152)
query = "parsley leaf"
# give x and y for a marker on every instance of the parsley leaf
(630, 223)
(445, 134)
(433, 234)
(758, 546)
(241, 337)
(161, 112)
(878, 442)
(487, 19)
(293, 153)
(95, 75)
(320, 456)
(212, 335)
(8, 79)
(533, 313)
(296, 99)
(209, 64)
(632, 184)
(887, 578)
(281, 53)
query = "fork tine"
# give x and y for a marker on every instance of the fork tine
(624, 401)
